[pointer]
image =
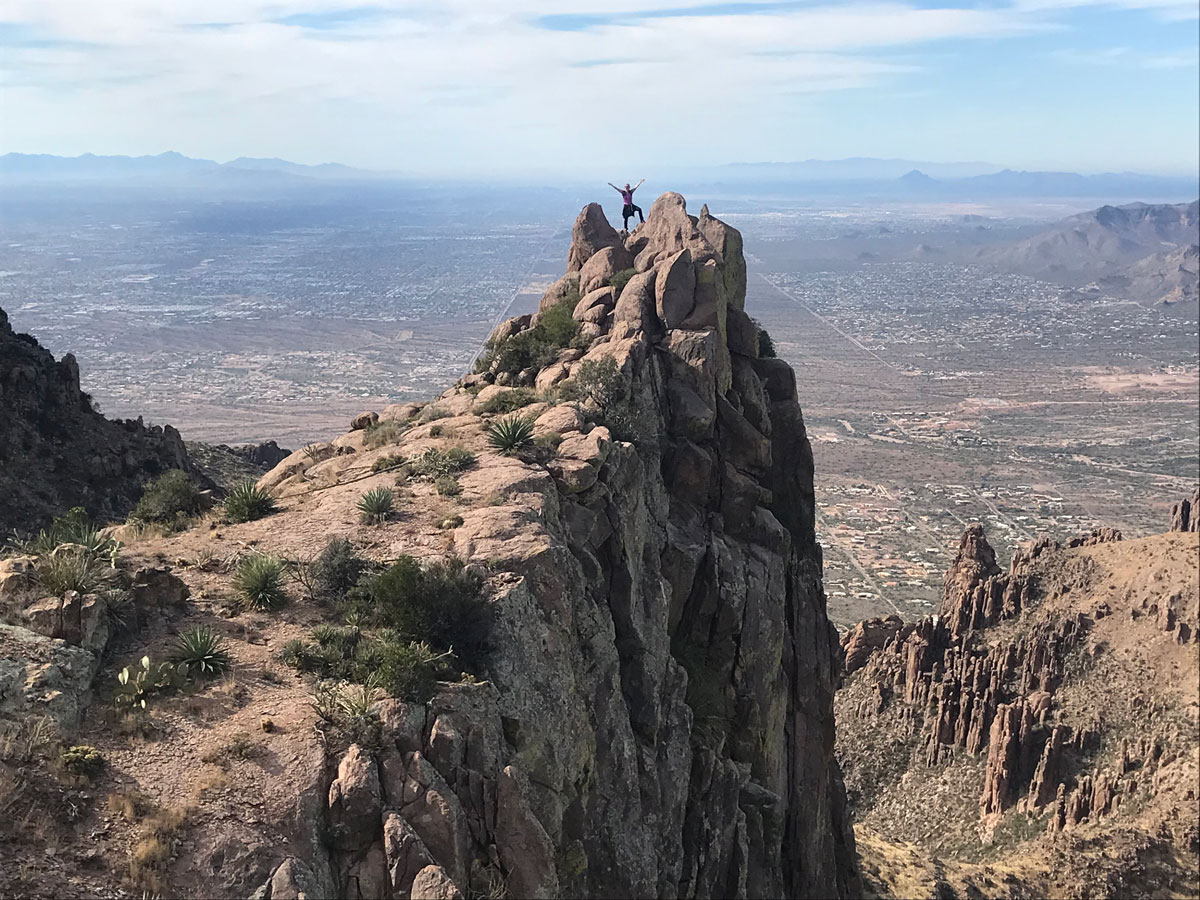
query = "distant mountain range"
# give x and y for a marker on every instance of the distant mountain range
(1147, 252)
(41, 166)
(857, 168)
(866, 177)
(1011, 183)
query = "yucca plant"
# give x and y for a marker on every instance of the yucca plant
(435, 461)
(69, 570)
(248, 502)
(259, 581)
(510, 434)
(297, 653)
(376, 505)
(200, 651)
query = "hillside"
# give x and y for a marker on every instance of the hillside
(57, 452)
(1037, 737)
(634, 698)
(1146, 252)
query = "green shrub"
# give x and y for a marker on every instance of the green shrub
(435, 462)
(247, 502)
(537, 346)
(82, 760)
(439, 603)
(410, 670)
(391, 461)
(447, 486)
(201, 652)
(510, 434)
(450, 522)
(507, 401)
(169, 499)
(339, 637)
(621, 279)
(432, 413)
(766, 346)
(297, 653)
(69, 570)
(336, 570)
(385, 431)
(595, 380)
(259, 582)
(376, 505)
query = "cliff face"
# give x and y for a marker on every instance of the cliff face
(655, 715)
(657, 718)
(1045, 712)
(57, 453)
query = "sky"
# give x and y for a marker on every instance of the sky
(473, 87)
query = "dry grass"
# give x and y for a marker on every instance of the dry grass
(150, 858)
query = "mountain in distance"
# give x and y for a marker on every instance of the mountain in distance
(1145, 251)
(858, 168)
(89, 166)
(1012, 183)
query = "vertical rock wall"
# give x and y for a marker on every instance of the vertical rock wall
(658, 719)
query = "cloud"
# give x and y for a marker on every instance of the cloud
(442, 81)
(1127, 56)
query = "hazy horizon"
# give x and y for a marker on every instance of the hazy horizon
(461, 89)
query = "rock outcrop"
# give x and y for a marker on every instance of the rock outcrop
(57, 452)
(1037, 690)
(1185, 515)
(656, 718)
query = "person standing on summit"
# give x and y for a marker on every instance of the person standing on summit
(629, 209)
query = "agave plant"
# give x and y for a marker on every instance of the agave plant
(200, 651)
(259, 581)
(509, 434)
(248, 502)
(376, 505)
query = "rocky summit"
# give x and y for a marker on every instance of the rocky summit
(629, 483)
(58, 452)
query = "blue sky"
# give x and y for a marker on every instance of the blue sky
(468, 87)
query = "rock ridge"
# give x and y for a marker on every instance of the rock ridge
(57, 452)
(657, 715)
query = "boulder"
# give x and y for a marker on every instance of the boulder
(596, 305)
(355, 798)
(508, 328)
(363, 420)
(432, 883)
(580, 456)
(590, 234)
(16, 576)
(598, 271)
(406, 854)
(293, 880)
(675, 289)
(45, 677)
(435, 813)
(565, 287)
(727, 242)
(561, 419)
(80, 620)
(551, 375)
(635, 308)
